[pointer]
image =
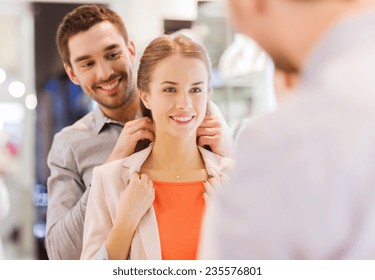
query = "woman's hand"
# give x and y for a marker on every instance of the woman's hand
(135, 199)
(134, 202)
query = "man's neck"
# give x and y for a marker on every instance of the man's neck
(125, 113)
(329, 14)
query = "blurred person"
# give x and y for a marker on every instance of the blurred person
(150, 205)
(4, 209)
(303, 187)
(284, 83)
(98, 55)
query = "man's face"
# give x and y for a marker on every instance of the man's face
(259, 19)
(103, 65)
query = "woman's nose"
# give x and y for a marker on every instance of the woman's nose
(184, 102)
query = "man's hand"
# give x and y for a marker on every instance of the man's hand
(132, 132)
(211, 133)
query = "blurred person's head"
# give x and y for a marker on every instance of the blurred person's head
(97, 54)
(174, 83)
(289, 29)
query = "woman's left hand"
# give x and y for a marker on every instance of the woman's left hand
(211, 133)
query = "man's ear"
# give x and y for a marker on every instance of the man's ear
(256, 5)
(131, 48)
(145, 98)
(260, 5)
(72, 76)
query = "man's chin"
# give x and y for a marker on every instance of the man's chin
(285, 66)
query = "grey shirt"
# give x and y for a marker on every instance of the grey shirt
(75, 151)
(304, 183)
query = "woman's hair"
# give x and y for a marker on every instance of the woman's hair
(161, 48)
(82, 19)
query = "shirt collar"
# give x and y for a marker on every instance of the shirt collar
(101, 119)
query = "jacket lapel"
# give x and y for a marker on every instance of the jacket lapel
(133, 163)
(147, 227)
(149, 232)
(217, 167)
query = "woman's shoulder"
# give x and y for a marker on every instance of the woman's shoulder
(133, 161)
(216, 161)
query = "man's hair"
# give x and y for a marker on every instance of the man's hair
(81, 19)
(163, 47)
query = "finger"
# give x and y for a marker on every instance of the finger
(150, 184)
(207, 140)
(138, 124)
(153, 194)
(210, 117)
(134, 176)
(206, 197)
(208, 131)
(208, 187)
(144, 178)
(210, 122)
(142, 134)
(215, 183)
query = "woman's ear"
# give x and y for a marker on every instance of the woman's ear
(145, 98)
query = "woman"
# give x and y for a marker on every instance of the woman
(150, 205)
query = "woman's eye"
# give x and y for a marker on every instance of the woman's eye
(196, 90)
(169, 90)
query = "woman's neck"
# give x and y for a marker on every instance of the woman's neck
(176, 152)
(175, 160)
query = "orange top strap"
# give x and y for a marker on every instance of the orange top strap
(179, 208)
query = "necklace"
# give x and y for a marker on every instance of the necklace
(177, 176)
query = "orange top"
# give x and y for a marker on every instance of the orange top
(179, 210)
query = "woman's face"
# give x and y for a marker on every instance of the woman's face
(178, 95)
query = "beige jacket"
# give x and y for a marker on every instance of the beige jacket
(107, 183)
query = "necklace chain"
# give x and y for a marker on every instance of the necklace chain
(177, 175)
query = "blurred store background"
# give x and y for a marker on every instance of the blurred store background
(37, 99)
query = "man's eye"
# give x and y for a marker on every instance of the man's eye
(87, 64)
(114, 55)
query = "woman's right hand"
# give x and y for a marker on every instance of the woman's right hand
(134, 202)
(135, 199)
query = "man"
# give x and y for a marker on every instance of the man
(304, 184)
(98, 55)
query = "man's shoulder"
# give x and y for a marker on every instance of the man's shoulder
(82, 128)
(73, 135)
